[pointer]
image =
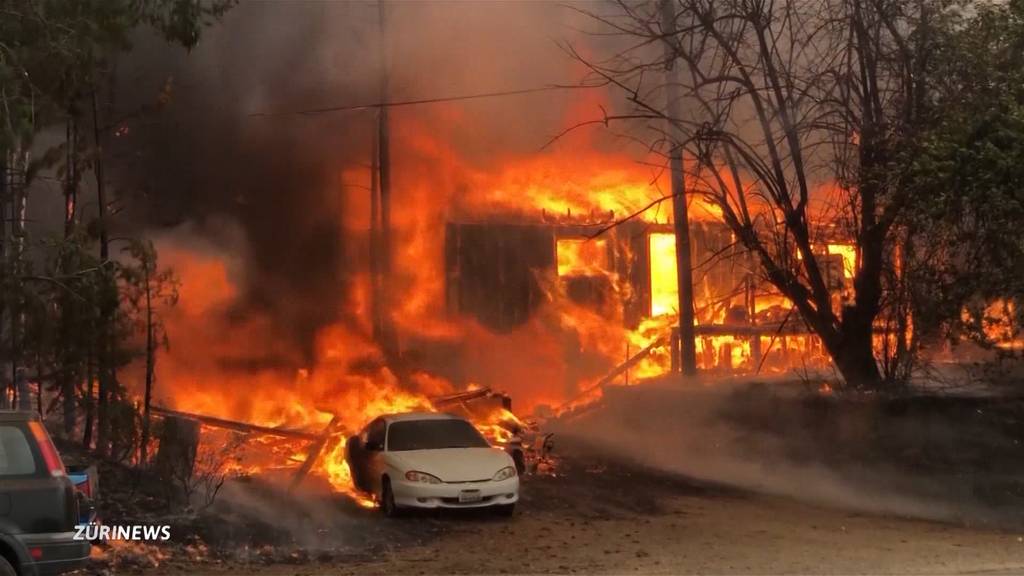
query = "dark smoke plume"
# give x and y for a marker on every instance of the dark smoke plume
(270, 188)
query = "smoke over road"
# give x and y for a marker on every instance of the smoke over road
(872, 455)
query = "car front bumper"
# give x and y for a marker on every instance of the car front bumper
(447, 494)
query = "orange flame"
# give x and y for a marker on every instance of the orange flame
(208, 368)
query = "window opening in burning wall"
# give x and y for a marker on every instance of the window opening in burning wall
(664, 284)
(586, 270)
(582, 257)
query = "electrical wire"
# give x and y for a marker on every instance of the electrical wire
(398, 103)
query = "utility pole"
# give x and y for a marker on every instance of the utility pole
(376, 300)
(384, 165)
(680, 218)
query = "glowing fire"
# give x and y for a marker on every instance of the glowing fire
(664, 284)
(348, 379)
(578, 257)
(999, 322)
(849, 254)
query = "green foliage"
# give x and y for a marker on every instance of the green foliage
(53, 52)
(78, 316)
(967, 178)
(142, 279)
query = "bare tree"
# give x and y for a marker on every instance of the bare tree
(794, 112)
(146, 288)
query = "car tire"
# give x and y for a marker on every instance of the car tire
(505, 510)
(6, 569)
(387, 500)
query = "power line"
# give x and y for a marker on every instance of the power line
(395, 104)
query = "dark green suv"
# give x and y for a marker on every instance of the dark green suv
(38, 504)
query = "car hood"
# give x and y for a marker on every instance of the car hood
(453, 464)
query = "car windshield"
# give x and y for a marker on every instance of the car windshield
(433, 435)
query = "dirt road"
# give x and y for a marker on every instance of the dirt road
(696, 535)
(600, 517)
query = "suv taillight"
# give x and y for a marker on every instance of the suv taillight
(50, 456)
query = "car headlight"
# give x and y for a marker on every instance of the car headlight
(415, 476)
(504, 474)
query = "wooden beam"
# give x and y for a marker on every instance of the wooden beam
(748, 330)
(458, 397)
(238, 426)
(314, 453)
(618, 370)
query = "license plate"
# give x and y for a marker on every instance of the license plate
(470, 496)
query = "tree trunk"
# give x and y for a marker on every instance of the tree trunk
(67, 371)
(24, 395)
(855, 359)
(39, 385)
(105, 349)
(179, 442)
(150, 366)
(4, 263)
(90, 401)
(19, 206)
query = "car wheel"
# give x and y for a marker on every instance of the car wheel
(387, 500)
(505, 510)
(6, 569)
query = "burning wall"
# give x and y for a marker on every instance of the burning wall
(502, 273)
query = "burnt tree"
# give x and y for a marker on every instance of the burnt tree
(794, 113)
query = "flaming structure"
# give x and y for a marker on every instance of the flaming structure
(525, 281)
(540, 273)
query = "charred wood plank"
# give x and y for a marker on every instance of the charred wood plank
(459, 397)
(314, 453)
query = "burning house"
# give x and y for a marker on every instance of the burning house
(528, 279)
(505, 270)
(537, 285)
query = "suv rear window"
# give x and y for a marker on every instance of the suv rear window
(15, 453)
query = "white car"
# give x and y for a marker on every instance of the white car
(431, 460)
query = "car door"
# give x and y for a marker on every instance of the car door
(355, 455)
(374, 443)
